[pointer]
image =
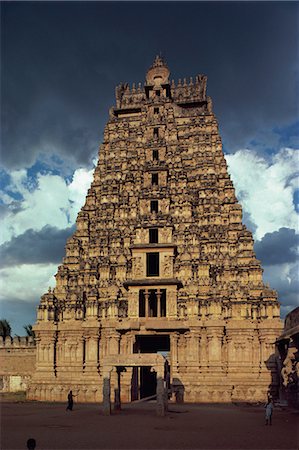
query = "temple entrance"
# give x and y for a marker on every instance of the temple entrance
(157, 343)
(144, 380)
(146, 364)
(148, 382)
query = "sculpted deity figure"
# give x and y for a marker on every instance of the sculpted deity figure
(138, 266)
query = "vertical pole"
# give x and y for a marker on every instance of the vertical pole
(160, 395)
(158, 294)
(106, 394)
(138, 383)
(146, 297)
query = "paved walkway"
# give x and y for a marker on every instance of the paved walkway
(137, 427)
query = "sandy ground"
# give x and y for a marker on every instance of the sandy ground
(188, 426)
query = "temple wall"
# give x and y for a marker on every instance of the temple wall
(214, 362)
(17, 363)
(288, 359)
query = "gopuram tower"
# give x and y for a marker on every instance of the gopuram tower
(160, 265)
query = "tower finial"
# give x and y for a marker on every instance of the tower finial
(159, 61)
(158, 72)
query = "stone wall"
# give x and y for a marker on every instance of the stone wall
(17, 363)
(288, 347)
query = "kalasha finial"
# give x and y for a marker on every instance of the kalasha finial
(158, 73)
(159, 62)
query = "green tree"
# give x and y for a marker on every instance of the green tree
(5, 328)
(29, 330)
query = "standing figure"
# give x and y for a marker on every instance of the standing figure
(269, 411)
(70, 401)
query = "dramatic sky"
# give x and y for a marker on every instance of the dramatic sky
(60, 63)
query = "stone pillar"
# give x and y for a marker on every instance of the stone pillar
(174, 337)
(215, 340)
(45, 354)
(195, 339)
(146, 299)
(262, 340)
(106, 392)
(161, 410)
(114, 338)
(189, 356)
(158, 294)
(203, 348)
(255, 355)
(91, 355)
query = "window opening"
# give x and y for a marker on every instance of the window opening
(156, 133)
(156, 110)
(158, 92)
(152, 303)
(155, 179)
(163, 302)
(155, 155)
(153, 235)
(154, 206)
(141, 303)
(152, 264)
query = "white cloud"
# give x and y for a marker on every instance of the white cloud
(52, 202)
(265, 189)
(26, 282)
(78, 189)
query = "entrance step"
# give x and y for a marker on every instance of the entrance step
(145, 399)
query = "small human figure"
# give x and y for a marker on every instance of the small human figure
(31, 443)
(269, 411)
(70, 401)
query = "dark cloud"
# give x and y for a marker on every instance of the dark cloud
(18, 313)
(278, 247)
(62, 60)
(286, 283)
(13, 208)
(35, 247)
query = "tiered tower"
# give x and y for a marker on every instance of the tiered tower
(160, 262)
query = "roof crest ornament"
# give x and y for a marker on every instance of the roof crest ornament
(158, 73)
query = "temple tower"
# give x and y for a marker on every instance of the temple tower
(160, 262)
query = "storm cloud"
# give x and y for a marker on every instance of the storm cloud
(60, 68)
(35, 247)
(278, 247)
(60, 63)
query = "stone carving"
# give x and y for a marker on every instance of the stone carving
(168, 266)
(161, 166)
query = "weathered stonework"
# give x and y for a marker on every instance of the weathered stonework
(288, 359)
(160, 261)
(17, 363)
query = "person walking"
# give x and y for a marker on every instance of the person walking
(269, 411)
(70, 401)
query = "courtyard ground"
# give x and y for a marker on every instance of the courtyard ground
(186, 426)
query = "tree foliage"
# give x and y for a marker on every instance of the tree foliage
(29, 330)
(5, 328)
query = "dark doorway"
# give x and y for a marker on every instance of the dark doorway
(154, 206)
(144, 382)
(148, 382)
(153, 235)
(158, 343)
(152, 264)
